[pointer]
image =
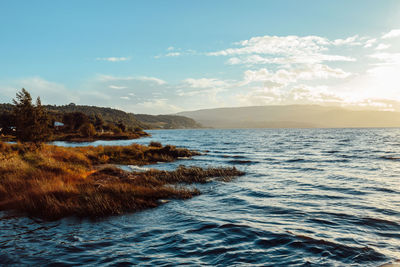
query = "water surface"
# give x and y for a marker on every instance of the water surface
(314, 197)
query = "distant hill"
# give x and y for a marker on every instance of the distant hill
(115, 116)
(292, 116)
(168, 121)
(108, 114)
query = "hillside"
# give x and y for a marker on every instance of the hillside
(108, 114)
(168, 121)
(292, 116)
(111, 115)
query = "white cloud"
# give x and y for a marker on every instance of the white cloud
(283, 77)
(173, 54)
(299, 59)
(113, 59)
(387, 58)
(50, 92)
(286, 50)
(300, 93)
(125, 97)
(205, 83)
(151, 79)
(176, 52)
(370, 42)
(116, 87)
(110, 78)
(287, 45)
(392, 34)
(353, 40)
(382, 46)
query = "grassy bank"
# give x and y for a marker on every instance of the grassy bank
(80, 138)
(76, 137)
(52, 182)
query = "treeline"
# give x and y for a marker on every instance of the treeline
(109, 116)
(114, 116)
(26, 121)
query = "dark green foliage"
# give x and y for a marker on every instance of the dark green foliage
(7, 122)
(74, 120)
(33, 123)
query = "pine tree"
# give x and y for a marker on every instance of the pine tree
(32, 122)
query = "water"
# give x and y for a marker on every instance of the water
(313, 197)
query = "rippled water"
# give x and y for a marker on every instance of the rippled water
(311, 197)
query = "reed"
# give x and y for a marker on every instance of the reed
(52, 182)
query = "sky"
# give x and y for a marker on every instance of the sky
(167, 56)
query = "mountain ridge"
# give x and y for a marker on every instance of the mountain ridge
(292, 116)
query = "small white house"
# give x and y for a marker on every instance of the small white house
(58, 125)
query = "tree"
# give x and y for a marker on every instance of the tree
(98, 122)
(74, 120)
(121, 125)
(7, 122)
(87, 130)
(32, 122)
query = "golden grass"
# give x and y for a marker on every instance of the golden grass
(53, 182)
(76, 137)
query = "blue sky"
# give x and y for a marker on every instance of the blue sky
(168, 56)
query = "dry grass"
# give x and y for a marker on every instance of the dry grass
(52, 182)
(135, 154)
(76, 137)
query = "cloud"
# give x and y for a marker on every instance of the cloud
(299, 59)
(49, 91)
(113, 59)
(353, 40)
(270, 70)
(392, 34)
(286, 45)
(386, 58)
(293, 68)
(205, 83)
(382, 47)
(173, 54)
(176, 52)
(111, 78)
(370, 42)
(284, 77)
(297, 94)
(286, 50)
(116, 87)
(151, 79)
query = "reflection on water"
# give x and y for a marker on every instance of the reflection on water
(316, 196)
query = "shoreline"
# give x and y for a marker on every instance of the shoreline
(77, 138)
